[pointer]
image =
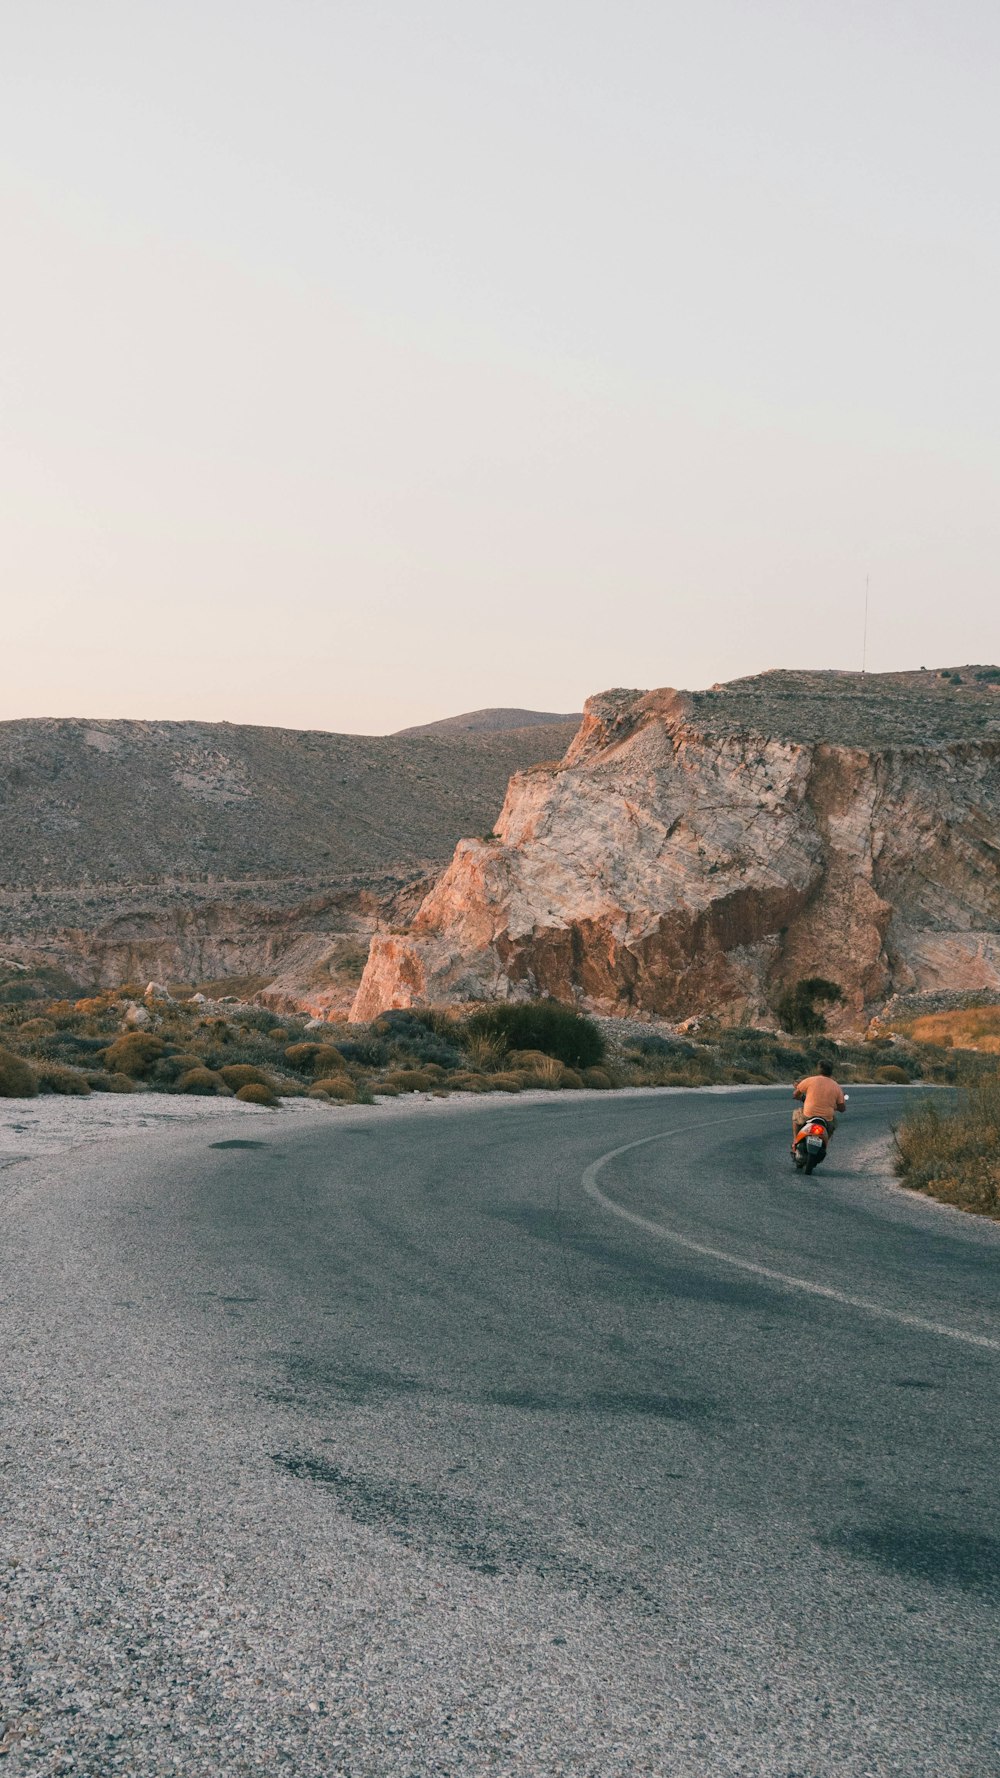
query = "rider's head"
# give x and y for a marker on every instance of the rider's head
(826, 1067)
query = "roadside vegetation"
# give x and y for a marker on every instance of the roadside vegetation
(951, 1151)
(123, 1041)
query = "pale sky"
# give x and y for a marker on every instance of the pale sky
(364, 361)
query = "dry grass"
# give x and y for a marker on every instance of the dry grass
(975, 1027)
(952, 1152)
(486, 1054)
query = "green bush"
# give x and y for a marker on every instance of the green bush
(17, 1078)
(545, 1025)
(797, 1010)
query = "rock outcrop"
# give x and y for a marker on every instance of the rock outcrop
(699, 852)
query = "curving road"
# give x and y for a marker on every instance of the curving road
(564, 1436)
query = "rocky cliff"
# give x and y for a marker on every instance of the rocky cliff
(698, 852)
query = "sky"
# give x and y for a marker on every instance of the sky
(366, 361)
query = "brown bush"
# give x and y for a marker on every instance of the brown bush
(464, 1081)
(170, 1068)
(506, 1082)
(570, 1078)
(314, 1058)
(597, 1077)
(529, 1060)
(892, 1075)
(408, 1080)
(255, 1092)
(17, 1079)
(337, 1086)
(242, 1074)
(36, 1028)
(55, 1077)
(202, 1080)
(133, 1054)
(110, 1083)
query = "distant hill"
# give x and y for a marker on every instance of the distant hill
(481, 722)
(139, 802)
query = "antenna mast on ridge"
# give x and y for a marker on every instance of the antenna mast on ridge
(864, 644)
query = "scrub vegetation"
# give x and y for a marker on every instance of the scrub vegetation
(229, 1048)
(952, 1151)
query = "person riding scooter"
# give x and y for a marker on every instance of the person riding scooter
(821, 1097)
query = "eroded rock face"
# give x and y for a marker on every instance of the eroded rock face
(697, 852)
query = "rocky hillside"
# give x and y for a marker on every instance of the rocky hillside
(702, 851)
(184, 850)
(475, 722)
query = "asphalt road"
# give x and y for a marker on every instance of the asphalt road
(430, 1440)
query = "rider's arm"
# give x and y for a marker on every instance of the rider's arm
(841, 1101)
(799, 1092)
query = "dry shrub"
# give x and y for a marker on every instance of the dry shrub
(170, 1068)
(287, 1088)
(467, 1082)
(597, 1077)
(953, 1152)
(202, 1080)
(547, 1072)
(55, 1077)
(314, 1058)
(337, 1086)
(36, 1028)
(408, 1080)
(892, 1075)
(255, 1092)
(17, 1079)
(571, 1079)
(111, 1083)
(506, 1082)
(242, 1074)
(134, 1054)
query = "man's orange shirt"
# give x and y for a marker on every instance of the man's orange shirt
(823, 1097)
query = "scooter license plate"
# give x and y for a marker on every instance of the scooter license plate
(814, 1144)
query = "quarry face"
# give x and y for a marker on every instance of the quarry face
(700, 852)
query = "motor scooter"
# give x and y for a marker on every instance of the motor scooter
(811, 1143)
